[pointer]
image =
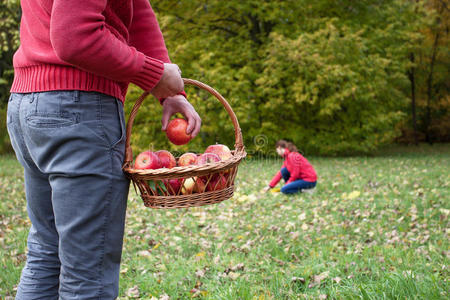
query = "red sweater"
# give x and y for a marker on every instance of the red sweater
(298, 167)
(97, 45)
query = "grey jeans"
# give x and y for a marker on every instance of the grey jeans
(71, 146)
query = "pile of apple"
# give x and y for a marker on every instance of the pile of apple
(165, 159)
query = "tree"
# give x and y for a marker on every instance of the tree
(9, 42)
(330, 75)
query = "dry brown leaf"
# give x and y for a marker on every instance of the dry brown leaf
(200, 273)
(298, 279)
(164, 297)
(317, 279)
(133, 292)
(337, 279)
(233, 275)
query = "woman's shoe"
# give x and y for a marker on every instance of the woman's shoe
(309, 191)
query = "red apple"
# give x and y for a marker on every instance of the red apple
(187, 159)
(173, 186)
(176, 132)
(217, 183)
(147, 160)
(221, 150)
(207, 158)
(166, 158)
(200, 185)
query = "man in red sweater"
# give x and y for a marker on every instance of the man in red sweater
(296, 171)
(66, 124)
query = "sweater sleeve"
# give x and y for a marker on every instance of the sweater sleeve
(275, 179)
(146, 35)
(80, 37)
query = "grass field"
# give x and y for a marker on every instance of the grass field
(375, 228)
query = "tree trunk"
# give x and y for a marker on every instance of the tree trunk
(412, 78)
(430, 89)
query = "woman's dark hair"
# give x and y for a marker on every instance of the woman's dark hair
(286, 144)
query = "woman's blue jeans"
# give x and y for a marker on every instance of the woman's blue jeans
(71, 146)
(295, 186)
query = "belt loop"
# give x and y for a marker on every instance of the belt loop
(76, 96)
(35, 96)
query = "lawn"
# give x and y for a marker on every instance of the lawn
(375, 228)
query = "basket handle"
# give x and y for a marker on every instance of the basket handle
(239, 145)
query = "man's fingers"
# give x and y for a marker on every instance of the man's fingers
(165, 119)
(198, 125)
(191, 123)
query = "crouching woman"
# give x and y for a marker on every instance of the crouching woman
(296, 171)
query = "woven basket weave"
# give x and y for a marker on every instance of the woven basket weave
(153, 184)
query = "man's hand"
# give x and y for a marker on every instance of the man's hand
(179, 104)
(170, 83)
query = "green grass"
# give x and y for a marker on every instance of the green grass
(375, 228)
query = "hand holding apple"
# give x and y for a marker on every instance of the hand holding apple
(179, 104)
(177, 132)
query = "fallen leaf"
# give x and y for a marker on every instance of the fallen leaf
(302, 216)
(298, 279)
(317, 279)
(164, 297)
(353, 195)
(133, 292)
(200, 273)
(200, 254)
(233, 275)
(337, 279)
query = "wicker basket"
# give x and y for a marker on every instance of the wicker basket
(216, 179)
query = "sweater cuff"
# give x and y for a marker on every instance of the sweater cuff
(150, 74)
(183, 93)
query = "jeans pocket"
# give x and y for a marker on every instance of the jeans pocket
(8, 110)
(51, 120)
(111, 120)
(120, 113)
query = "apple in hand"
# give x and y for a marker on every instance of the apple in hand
(166, 158)
(207, 158)
(221, 150)
(217, 183)
(187, 159)
(176, 131)
(147, 160)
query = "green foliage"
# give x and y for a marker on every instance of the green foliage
(330, 75)
(5, 143)
(9, 42)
